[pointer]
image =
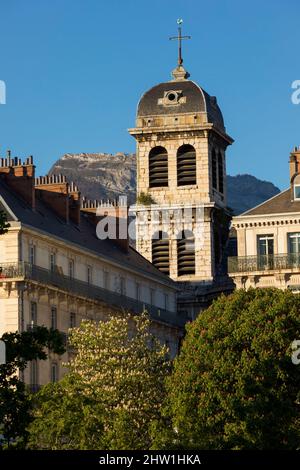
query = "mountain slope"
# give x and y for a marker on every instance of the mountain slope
(106, 176)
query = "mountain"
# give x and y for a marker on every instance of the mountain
(246, 191)
(107, 176)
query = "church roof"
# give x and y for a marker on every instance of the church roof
(193, 99)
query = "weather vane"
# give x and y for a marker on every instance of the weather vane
(179, 39)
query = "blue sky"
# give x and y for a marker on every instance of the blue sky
(75, 69)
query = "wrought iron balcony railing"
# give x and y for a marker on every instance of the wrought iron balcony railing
(244, 264)
(84, 289)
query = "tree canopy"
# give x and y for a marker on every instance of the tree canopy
(15, 401)
(234, 385)
(112, 393)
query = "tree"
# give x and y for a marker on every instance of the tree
(112, 393)
(15, 400)
(3, 223)
(234, 385)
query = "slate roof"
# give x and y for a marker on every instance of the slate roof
(280, 204)
(197, 100)
(45, 220)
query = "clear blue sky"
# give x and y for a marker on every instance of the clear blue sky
(75, 69)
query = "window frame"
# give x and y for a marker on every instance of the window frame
(53, 318)
(296, 186)
(54, 367)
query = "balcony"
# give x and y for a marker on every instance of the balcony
(56, 279)
(11, 271)
(246, 264)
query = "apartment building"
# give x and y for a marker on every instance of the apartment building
(54, 270)
(268, 239)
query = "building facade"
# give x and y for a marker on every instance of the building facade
(268, 239)
(181, 174)
(54, 271)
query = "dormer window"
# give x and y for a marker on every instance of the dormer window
(297, 192)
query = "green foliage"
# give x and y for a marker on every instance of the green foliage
(112, 393)
(145, 199)
(15, 401)
(234, 385)
(3, 223)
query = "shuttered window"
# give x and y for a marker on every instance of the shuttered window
(160, 252)
(186, 254)
(220, 173)
(158, 167)
(214, 169)
(186, 165)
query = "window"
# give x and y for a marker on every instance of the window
(265, 251)
(71, 269)
(166, 301)
(297, 191)
(158, 167)
(186, 165)
(220, 173)
(54, 372)
(89, 275)
(160, 252)
(33, 376)
(186, 254)
(137, 291)
(52, 262)
(72, 320)
(152, 296)
(294, 243)
(33, 313)
(32, 254)
(214, 169)
(54, 318)
(122, 286)
(106, 280)
(294, 248)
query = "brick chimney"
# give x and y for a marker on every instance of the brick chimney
(19, 177)
(54, 192)
(294, 162)
(115, 214)
(74, 203)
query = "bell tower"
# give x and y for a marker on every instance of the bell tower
(182, 219)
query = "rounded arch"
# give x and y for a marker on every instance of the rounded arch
(186, 262)
(220, 172)
(214, 169)
(158, 167)
(161, 251)
(186, 165)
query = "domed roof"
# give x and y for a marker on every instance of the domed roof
(180, 97)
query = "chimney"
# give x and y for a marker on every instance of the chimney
(74, 204)
(54, 192)
(19, 177)
(294, 162)
(115, 213)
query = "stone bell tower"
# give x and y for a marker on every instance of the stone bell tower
(182, 220)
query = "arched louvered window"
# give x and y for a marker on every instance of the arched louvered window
(220, 173)
(214, 169)
(160, 252)
(186, 165)
(158, 167)
(186, 254)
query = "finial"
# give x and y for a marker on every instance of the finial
(180, 73)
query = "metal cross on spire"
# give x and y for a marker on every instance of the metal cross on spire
(179, 38)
